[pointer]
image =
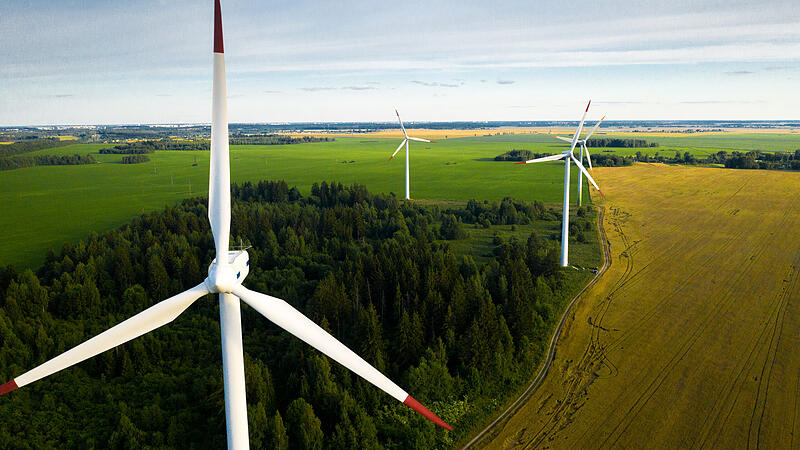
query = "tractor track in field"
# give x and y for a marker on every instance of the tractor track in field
(726, 302)
(550, 356)
(595, 355)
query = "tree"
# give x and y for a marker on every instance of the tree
(304, 428)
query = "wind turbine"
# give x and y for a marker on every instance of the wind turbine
(405, 142)
(568, 157)
(584, 149)
(225, 276)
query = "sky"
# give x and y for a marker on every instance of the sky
(149, 61)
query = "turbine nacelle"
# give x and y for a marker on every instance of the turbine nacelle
(223, 278)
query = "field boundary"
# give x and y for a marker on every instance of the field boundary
(551, 352)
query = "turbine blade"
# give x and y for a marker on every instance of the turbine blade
(544, 158)
(580, 127)
(148, 320)
(398, 149)
(401, 123)
(588, 177)
(291, 320)
(562, 138)
(418, 139)
(219, 176)
(588, 156)
(597, 125)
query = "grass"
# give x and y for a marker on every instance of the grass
(46, 206)
(690, 338)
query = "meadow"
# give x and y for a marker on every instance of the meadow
(689, 340)
(46, 206)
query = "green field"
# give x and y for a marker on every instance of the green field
(46, 206)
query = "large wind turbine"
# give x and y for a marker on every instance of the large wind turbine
(225, 276)
(405, 142)
(568, 157)
(584, 149)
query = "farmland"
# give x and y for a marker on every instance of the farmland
(46, 206)
(690, 338)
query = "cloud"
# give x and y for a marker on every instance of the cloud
(59, 95)
(164, 95)
(720, 102)
(631, 102)
(272, 92)
(739, 72)
(437, 84)
(317, 88)
(335, 88)
(358, 88)
(505, 81)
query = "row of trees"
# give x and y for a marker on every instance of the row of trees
(276, 139)
(31, 145)
(370, 269)
(735, 160)
(619, 142)
(18, 162)
(135, 159)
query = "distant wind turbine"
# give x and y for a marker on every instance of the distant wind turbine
(584, 149)
(225, 276)
(568, 156)
(405, 142)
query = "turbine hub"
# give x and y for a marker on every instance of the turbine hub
(222, 277)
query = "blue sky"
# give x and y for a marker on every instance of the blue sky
(145, 61)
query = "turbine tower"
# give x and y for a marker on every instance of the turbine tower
(225, 276)
(568, 157)
(405, 142)
(584, 149)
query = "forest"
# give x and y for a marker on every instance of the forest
(619, 142)
(31, 145)
(19, 162)
(378, 273)
(134, 159)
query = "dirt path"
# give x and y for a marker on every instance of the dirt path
(690, 339)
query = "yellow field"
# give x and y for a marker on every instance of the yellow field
(692, 337)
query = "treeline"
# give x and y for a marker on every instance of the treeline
(612, 160)
(31, 145)
(119, 150)
(19, 162)
(370, 269)
(761, 160)
(276, 139)
(135, 159)
(141, 147)
(518, 155)
(619, 142)
(735, 160)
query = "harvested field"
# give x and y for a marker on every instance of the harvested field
(690, 339)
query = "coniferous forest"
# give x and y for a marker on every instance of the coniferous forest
(460, 333)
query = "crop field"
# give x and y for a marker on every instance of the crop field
(690, 339)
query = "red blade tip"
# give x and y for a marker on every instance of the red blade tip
(521, 162)
(8, 387)
(416, 406)
(601, 193)
(587, 106)
(218, 47)
(433, 142)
